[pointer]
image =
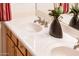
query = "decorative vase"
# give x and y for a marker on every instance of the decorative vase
(55, 28)
(74, 22)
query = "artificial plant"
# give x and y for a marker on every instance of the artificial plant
(55, 28)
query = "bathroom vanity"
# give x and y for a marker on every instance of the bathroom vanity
(23, 39)
(14, 46)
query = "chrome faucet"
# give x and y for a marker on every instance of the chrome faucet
(77, 45)
(41, 22)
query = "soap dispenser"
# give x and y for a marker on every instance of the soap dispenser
(55, 27)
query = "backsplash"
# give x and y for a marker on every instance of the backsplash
(22, 10)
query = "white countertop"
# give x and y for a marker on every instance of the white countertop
(38, 43)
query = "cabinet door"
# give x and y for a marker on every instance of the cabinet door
(14, 39)
(7, 30)
(18, 52)
(10, 47)
(28, 53)
(22, 48)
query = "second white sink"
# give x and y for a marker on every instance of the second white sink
(64, 51)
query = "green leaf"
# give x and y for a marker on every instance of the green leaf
(74, 10)
(56, 12)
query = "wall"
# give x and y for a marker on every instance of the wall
(22, 10)
(42, 10)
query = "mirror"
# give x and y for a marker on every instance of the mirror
(42, 11)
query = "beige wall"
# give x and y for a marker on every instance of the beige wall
(42, 10)
(22, 10)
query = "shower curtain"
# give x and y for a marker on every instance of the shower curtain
(65, 7)
(5, 12)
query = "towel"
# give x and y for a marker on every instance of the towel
(5, 12)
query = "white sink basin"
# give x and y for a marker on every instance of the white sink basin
(34, 27)
(44, 43)
(64, 48)
(64, 51)
(29, 25)
(44, 40)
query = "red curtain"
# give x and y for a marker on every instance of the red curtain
(65, 7)
(5, 12)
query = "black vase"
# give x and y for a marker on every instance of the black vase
(74, 22)
(55, 28)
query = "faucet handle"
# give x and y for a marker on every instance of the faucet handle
(38, 20)
(77, 45)
(46, 24)
(43, 22)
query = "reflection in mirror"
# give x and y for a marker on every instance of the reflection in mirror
(42, 11)
(74, 21)
(71, 17)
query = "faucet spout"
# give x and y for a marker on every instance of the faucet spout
(41, 22)
(77, 45)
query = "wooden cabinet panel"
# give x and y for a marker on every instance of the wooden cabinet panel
(14, 39)
(10, 47)
(14, 46)
(28, 53)
(7, 31)
(22, 48)
(17, 52)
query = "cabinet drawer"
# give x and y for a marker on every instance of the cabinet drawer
(14, 39)
(22, 48)
(17, 52)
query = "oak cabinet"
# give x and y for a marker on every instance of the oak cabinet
(29, 54)
(10, 47)
(22, 48)
(14, 46)
(17, 52)
(14, 39)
